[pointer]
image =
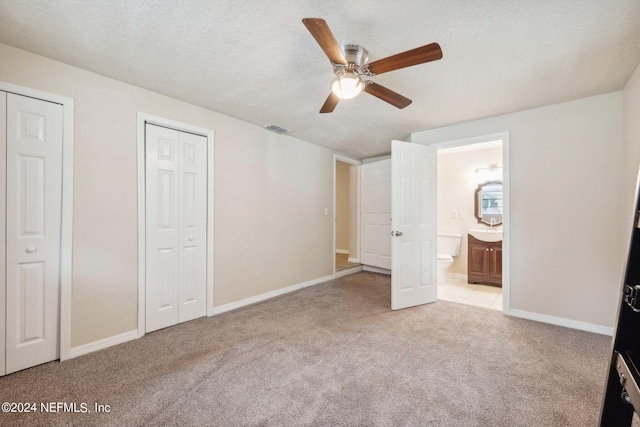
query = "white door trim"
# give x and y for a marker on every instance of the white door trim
(66, 231)
(506, 221)
(3, 236)
(353, 162)
(142, 119)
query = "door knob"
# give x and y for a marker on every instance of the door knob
(31, 249)
(396, 233)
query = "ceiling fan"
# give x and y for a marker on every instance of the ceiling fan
(351, 68)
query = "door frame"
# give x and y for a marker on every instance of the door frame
(352, 162)
(142, 120)
(66, 230)
(506, 221)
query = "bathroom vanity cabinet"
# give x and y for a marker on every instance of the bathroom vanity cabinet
(484, 262)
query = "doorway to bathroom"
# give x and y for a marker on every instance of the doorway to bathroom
(473, 220)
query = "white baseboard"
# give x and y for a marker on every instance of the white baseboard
(560, 321)
(268, 295)
(342, 273)
(376, 269)
(356, 259)
(342, 251)
(132, 335)
(102, 344)
(252, 300)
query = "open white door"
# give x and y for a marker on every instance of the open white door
(413, 225)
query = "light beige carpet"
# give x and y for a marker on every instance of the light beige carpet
(332, 355)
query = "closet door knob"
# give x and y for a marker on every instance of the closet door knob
(31, 249)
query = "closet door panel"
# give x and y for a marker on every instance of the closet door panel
(176, 226)
(193, 227)
(163, 229)
(33, 217)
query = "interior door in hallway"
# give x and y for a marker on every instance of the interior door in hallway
(413, 225)
(176, 210)
(375, 214)
(33, 139)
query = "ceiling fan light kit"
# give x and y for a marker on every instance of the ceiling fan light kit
(350, 66)
(347, 85)
(348, 82)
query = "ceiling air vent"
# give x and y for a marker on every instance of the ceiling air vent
(277, 129)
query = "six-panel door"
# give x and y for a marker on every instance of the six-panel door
(414, 224)
(376, 214)
(176, 209)
(33, 216)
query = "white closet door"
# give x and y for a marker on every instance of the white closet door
(176, 179)
(34, 197)
(193, 227)
(376, 214)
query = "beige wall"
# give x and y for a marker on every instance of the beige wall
(631, 150)
(457, 183)
(270, 196)
(342, 205)
(565, 175)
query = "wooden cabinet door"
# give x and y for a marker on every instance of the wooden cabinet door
(496, 261)
(478, 260)
(484, 262)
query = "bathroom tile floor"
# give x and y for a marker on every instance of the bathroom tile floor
(458, 290)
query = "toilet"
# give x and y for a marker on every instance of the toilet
(448, 247)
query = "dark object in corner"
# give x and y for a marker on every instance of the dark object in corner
(622, 395)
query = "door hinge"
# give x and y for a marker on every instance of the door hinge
(630, 296)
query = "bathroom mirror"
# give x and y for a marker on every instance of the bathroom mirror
(488, 203)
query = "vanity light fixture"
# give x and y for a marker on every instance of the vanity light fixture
(492, 173)
(490, 169)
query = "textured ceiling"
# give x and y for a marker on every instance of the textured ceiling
(255, 60)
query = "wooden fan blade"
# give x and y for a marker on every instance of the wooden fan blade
(387, 95)
(330, 103)
(323, 35)
(420, 55)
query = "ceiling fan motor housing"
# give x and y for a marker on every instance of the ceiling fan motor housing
(356, 57)
(355, 54)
